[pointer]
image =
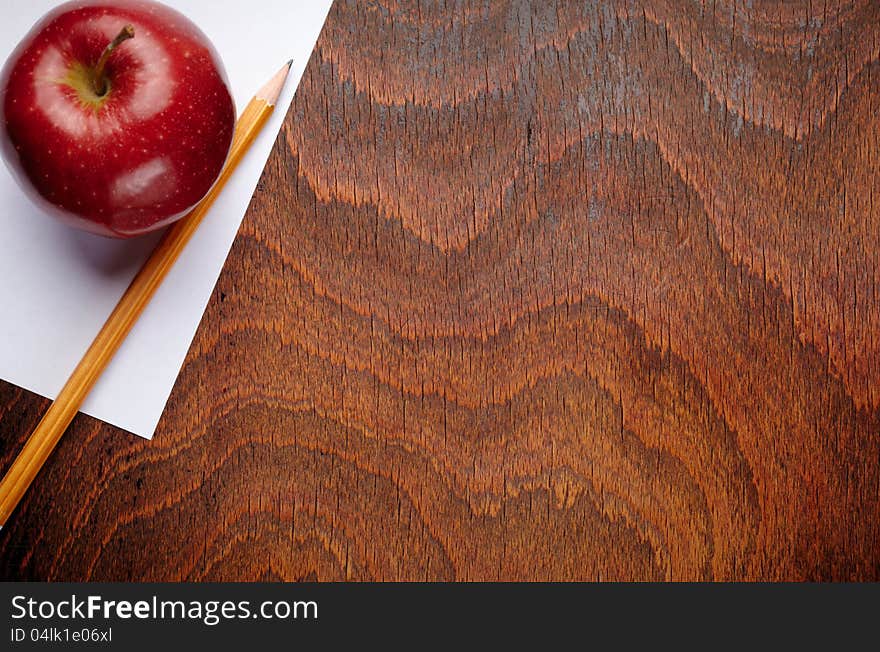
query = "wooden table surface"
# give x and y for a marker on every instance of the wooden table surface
(547, 290)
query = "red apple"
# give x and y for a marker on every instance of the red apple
(117, 116)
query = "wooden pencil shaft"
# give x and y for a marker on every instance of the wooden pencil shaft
(61, 412)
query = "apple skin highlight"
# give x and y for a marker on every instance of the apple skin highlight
(130, 155)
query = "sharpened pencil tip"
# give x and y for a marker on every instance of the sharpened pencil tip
(272, 90)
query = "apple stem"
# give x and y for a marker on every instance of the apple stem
(99, 81)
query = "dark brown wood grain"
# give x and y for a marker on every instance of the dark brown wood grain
(549, 290)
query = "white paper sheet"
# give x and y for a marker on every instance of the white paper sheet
(57, 286)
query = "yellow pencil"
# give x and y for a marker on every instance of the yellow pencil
(59, 415)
